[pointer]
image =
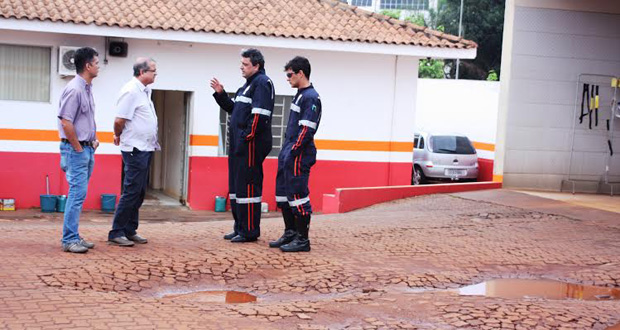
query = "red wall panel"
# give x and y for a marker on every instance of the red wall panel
(22, 177)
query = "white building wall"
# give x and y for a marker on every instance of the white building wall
(550, 49)
(357, 90)
(466, 107)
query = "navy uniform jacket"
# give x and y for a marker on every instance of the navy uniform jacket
(250, 112)
(303, 123)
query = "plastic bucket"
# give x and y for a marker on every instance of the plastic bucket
(61, 201)
(220, 204)
(48, 203)
(108, 202)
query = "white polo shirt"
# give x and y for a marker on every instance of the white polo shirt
(134, 104)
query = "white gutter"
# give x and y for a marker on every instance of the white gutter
(233, 39)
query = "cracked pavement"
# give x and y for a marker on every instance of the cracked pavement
(391, 266)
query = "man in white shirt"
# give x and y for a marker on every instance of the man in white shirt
(135, 130)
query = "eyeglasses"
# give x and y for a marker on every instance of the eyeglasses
(289, 74)
(149, 70)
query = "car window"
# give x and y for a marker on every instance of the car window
(421, 143)
(415, 142)
(451, 145)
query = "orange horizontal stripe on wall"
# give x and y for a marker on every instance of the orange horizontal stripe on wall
(203, 140)
(105, 137)
(484, 146)
(17, 134)
(28, 134)
(364, 145)
(213, 141)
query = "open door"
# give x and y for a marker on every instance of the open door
(169, 168)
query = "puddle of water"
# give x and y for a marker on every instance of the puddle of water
(547, 289)
(219, 297)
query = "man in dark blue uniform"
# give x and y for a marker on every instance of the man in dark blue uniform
(250, 141)
(297, 156)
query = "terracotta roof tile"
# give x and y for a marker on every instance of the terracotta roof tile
(306, 19)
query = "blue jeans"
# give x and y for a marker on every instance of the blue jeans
(78, 167)
(136, 170)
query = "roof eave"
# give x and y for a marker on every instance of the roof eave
(236, 39)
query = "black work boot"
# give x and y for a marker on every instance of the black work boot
(301, 243)
(235, 231)
(288, 236)
(230, 236)
(289, 229)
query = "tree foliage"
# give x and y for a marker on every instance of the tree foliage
(483, 22)
(431, 68)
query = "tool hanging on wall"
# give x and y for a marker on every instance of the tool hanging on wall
(591, 106)
(590, 98)
(596, 103)
(585, 97)
(615, 83)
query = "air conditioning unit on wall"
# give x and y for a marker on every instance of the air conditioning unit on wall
(66, 67)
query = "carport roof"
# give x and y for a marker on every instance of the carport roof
(297, 19)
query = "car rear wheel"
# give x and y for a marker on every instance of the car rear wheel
(417, 176)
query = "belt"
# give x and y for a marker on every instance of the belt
(82, 143)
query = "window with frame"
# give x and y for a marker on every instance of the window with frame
(361, 3)
(25, 73)
(404, 4)
(279, 119)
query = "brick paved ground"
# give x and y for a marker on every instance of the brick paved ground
(391, 266)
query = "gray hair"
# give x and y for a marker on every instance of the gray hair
(142, 64)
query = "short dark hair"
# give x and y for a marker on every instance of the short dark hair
(299, 63)
(143, 65)
(82, 56)
(255, 56)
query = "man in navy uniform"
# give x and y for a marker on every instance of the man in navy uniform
(297, 156)
(250, 141)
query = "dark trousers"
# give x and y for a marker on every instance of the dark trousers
(136, 172)
(292, 180)
(245, 168)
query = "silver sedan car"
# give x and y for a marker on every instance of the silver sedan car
(443, 158)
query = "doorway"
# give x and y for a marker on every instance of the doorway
(169, 168)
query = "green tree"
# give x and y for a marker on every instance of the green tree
(483, 22)
(492, 76)
(431, 68)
